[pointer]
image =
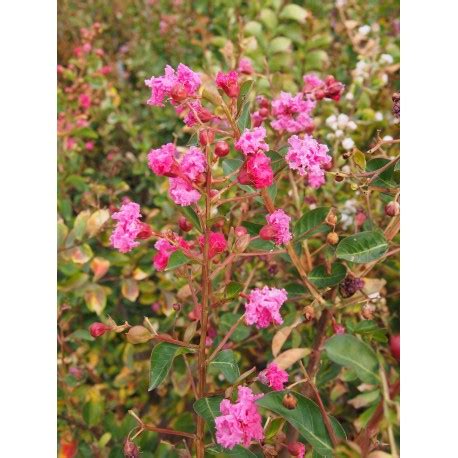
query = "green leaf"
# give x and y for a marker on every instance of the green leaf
(177, 259)
(93, 412)
(321, 279)
(311, 223)
(231, 165)
(294, 289)
(237, 452)
(226, 322)
(295, 13)
(244, 120)
(362, 247)
(226, 363)
(268, 18)
(306, 418)
(79, 226)
(81, 334)
(386, 178)
(208, 409)
(245, 89)
(191, 215)
(273, 427)
(233, 289)
(253, 228)
(162, 358)
(62, 232)
(350, 352)
(280, 45)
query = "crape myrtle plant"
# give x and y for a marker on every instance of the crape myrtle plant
(237, 186)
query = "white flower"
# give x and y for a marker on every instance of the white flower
(342, 121)
(331, 121)
(346, 168)
(386, 59)
(352, 125)
(339, 133)
(379, 116)
(330, 136)
(384, 78)
(387, 138)
(348, 143)
(340, 3)
(349, 96)
(364, 29)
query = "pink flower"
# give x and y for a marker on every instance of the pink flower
(84, 101)
(239, 423)
(228, 82)
(308, 157)
(292, 114)
(70, 143)
(277, 228)
(196, 113)
(193, 163)
(178, 85)
(297, 449)
(217, 243)
(274, 377)
(127, 227)
(105, 70)
(89, 146)
(257, 119)
(165, 250)
(252, 141)
(259, 170)
(182, 193)
(245, 66)
(311, 82)
(263, 306)
(162, 160)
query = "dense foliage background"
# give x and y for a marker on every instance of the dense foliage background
(105, 130)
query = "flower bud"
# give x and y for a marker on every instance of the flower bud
(201, 179)
(242, 243)
(138, 335)
(222, 148)
(184, 224)
(309, 313)
(98, 329)
(289, 401)
(338, 328)
(296, 449)
(145, 232)
(360, 218)
(176, 307)
(392, 208)
(264, 112)
(395, 346)
(396, 104)
(206, 137)
(179, 93)
(240, 230)
(267, 232)
(332, 238)
(331, 219)
(130, 449)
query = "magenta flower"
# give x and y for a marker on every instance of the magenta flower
(84, 101)
(165, 250)
(217, 243)
(292, 113)
(193, 163)
(252, 141)
(239, 423)
(177, 85)
(228, 82)
(263, 306)
(274, 377)
(162, 160)
(259, 170)
(127, 227)
(245, 66)
(196, 113)
(277, 228)
(182, 192)
(308, 157)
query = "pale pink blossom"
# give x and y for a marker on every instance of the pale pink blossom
(127, 227)
(245, 66)
(182, 192)
(292, 113)
(178, 85)
(277, 228)
(252, 141)
(308, 157)
(193, 163)
(263, 306)
(274, 377)
(239, 423)
(162, 160)
(228, 82)
(311, 82)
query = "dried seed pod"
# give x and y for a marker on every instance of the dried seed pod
(289, 401)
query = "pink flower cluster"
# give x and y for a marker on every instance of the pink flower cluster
(252, 141)
(263, 306)
(196, 113)
(163, 162)
(274, 377)
(277, 228)
(127, 227)
(165, 250)
(228, 82)
(292, 113)
(239, 423)
(245, 66)
(330, 88)
(307, 156)
(217, 243)
(177, 85)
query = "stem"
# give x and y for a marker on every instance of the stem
(225, 339)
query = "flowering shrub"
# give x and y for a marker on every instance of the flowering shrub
(248, 267)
